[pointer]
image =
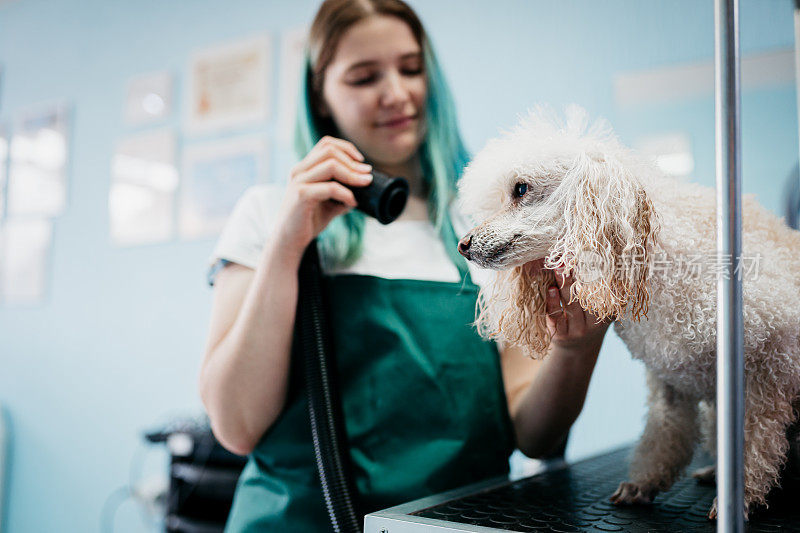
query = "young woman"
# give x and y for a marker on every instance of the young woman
(428, 405)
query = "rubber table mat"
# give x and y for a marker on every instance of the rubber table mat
(576, 498)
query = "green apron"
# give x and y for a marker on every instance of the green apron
(424, 406)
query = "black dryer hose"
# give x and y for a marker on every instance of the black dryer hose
(324, 404)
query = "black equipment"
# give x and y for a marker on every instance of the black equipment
(384, 198)
(203, 477)
(312, 342)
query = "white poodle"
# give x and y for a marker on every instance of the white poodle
(642, 249)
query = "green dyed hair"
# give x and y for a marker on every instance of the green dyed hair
(442, 154)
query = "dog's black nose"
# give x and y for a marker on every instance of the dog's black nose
(463, 246)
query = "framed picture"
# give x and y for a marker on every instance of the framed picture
(24, 259)
(37, 177)
(215, 174)
(229, 85)
(148, 98)
(144, 181)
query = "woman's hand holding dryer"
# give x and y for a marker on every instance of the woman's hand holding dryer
(316, 192)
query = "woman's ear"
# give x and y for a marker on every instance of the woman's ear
(512, 308)
(611, 229)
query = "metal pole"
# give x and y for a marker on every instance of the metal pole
(730, 337)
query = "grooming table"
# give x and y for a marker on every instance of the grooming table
(574, 498)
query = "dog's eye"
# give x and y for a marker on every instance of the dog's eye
(520, 189)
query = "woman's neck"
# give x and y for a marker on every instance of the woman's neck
(417, 204)
(411, 170)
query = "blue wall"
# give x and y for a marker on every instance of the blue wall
(116, 346)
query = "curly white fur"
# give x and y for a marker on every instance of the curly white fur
(588, 196)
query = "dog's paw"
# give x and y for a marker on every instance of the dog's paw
(712, 514)
(706, 476)
(632, 494)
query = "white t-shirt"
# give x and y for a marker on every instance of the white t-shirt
(406, 249)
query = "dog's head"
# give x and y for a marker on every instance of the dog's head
(549, 193)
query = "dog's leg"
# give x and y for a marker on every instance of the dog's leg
(792, 466)
(768, 414)
(708, 426)
(666, 446)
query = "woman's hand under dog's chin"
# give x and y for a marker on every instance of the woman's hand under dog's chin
(571, 327)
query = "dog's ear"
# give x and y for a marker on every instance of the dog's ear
(512, 309)
(611, 228)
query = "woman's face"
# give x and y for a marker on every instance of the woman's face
(375, 89)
